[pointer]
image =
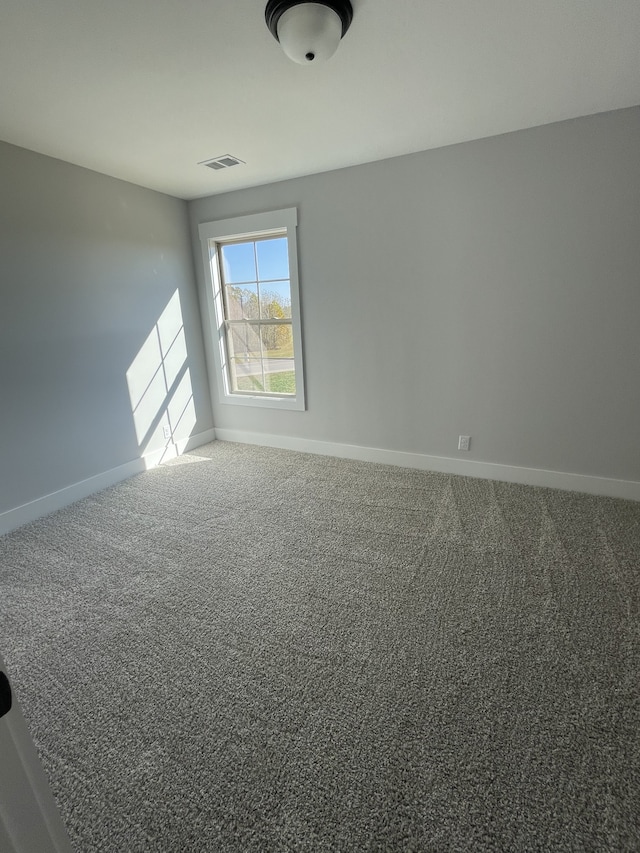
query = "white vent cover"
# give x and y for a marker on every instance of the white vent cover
(223, 162)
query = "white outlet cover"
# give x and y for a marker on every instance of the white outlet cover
(464, 442)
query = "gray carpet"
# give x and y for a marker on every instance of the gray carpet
(257, 650)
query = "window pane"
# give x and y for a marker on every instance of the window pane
(275, 300)
(273, 258)
(244, 341)
(246, 375)
(238, 263)
(242, 302)
(280, 382)
(277, 341)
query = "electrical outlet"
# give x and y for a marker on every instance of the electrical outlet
(166, 431)
(464, 442)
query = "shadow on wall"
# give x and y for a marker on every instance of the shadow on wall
(160, 389)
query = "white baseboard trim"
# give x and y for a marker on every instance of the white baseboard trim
(629, 489)
(35, 509)
(177, 448)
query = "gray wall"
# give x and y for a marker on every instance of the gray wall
(88, 265)
(490, 288)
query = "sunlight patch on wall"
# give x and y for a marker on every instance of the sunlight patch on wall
(159, 385)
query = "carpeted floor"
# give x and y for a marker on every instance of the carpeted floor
(257, 650)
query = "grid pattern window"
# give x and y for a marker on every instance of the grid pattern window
(258, 327)
(251, 266)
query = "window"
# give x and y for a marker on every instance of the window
(252, 294)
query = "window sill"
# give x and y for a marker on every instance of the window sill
(287, 403)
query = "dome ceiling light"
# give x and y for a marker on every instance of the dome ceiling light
(309, 33)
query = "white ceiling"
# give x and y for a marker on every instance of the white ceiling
(144, 89)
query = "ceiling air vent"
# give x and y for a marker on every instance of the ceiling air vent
(223, 162)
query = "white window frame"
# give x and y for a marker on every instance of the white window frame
(277, 223)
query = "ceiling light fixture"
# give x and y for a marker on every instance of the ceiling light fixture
(308, 32)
